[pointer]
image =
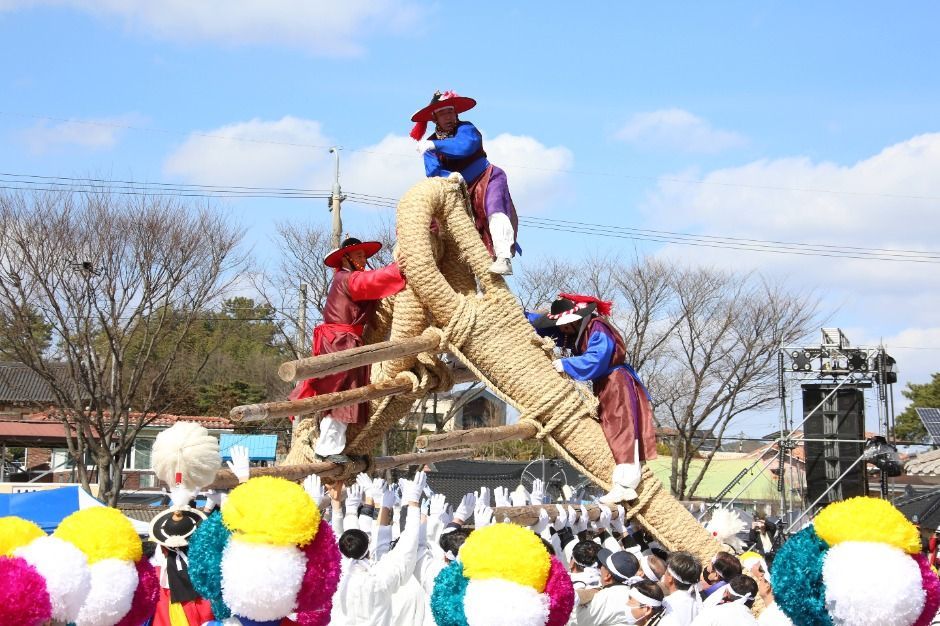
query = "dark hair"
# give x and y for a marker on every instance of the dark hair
(727, 566)
(743, 585)
(452, 541)
(657, 565)
(585, 553)
(686, 567)
(354, 544)
(652, 591)
(149, 547)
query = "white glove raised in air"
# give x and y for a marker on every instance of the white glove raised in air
(542, 523)
(353, 499)
(482, 515)
(438, 503)
(484, 496)
(376, 490)
(561, 519)
(603, 520)
(315, 490)
(240, 463)
(519, 497)
(538, 492)
(424, 145)
(582, 524)
(411, 489)
(465, 508)
(501, 494)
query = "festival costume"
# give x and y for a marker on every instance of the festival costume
(727, 614)
(350, 307)
(599, 356)
(681, 609)
(494, 214)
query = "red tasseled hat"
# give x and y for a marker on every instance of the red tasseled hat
(604, 307)
(438, 101)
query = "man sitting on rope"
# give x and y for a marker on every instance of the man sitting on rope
(350, 307)
(457, 146)
(579, 324)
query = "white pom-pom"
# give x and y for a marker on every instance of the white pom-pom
(65, 569)
(260, 581)
(186, 448)
(872, 584)
(725, 525)
(113, 583)
(497, 602)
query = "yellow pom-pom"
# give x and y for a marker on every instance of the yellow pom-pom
(101, 533)
(271, 510)
(16, 532)
(508, 552)
(866, 519)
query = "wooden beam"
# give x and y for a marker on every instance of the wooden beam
(285, 408)
(476, 436)
(225, 479)
(334, 362)
(528, 515)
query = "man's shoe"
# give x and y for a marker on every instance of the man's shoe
(501, 266)
(618, 494)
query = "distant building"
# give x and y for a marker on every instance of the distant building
(459, 409)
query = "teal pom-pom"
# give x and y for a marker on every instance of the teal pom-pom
(205, 562)
(450, 587)
(797, 579)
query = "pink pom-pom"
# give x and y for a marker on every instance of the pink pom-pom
(315, 598)
(931, 585)
(145, 596)
(24, 600)
(560, 594)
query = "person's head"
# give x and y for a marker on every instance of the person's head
(355, 260)
(451, 543)
(584, 555)
(723, 566)
(616, 567)
(682, 571)
(571, 328)
(354, 544)
(445, 118)
(652, 567)
(646, 601)
(740, 588)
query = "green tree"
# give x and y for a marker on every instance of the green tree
(908, 426)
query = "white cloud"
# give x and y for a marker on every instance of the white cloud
(95, 134)
(292, 152)
(890, 200)
(677, 130)
(317, 26)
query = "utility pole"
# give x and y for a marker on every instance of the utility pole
(302, 320)
(336, 199)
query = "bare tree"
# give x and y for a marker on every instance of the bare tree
(119, 279)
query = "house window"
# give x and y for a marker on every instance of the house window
(139, 457)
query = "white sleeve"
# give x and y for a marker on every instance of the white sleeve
(381, 540)
(611, 544)
(336, 521)
(502, 234)
(399, 563)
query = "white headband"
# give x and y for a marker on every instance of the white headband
(740, 599)
(609, 564)
(676, 576)
(644, 600)
(645, 566)
(450, 556)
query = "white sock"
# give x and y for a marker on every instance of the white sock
(332, 439)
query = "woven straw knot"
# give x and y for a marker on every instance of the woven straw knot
(541, 431)
(545, 343)
(461, 323)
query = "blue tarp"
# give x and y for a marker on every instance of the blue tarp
(49, 506)
(260, 447)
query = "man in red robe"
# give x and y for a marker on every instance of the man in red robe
(598, 354)
(350, 307)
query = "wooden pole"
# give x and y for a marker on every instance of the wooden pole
(528, 515)
(334, 362)
(476, 436)
(286, 408)
(225, 479)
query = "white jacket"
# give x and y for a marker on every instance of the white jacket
(681, 608)
(364, 596)
(773, 616)
(728, 614)
(607, 608)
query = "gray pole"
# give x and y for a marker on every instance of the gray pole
(336, 199)
(302, 320)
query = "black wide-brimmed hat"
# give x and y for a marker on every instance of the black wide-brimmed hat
(565, 311)
(335, 258)
(173, 527)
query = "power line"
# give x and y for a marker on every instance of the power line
(620, 174)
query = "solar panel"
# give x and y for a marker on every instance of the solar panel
(930, 418)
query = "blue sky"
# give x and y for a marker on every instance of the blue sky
(594, 111)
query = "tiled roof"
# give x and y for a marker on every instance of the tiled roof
(21, 385)
(162, 420)
(926, 464)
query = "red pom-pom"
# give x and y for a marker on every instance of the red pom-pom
(24, 599)
(418, 131)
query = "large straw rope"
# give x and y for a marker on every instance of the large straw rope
(487, 331)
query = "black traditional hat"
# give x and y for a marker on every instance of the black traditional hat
(173, 527)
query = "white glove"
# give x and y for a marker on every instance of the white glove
(438, 503)
(425, 509)
(484, 496)
(376, 490)
(542, 522)
(603, 520)
(559, 366)
(538, 492)
(618, 525)
(465, 508)
(581, 525)
(482, 515)
(387, 499)
(411, 490)
(364, 481)
(424, 145)
(561, 519)
(315, 490)
(519, 497)
(353, 499)
(213, 500)
(240, 464)
(501, 494)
